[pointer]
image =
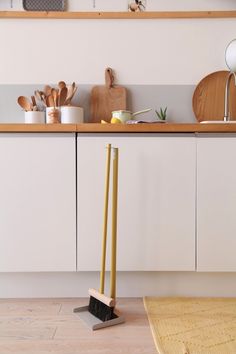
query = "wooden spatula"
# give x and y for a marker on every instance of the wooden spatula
(62, 96)
(107, 98)
(25, 103)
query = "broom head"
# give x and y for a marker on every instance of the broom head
(101, 306)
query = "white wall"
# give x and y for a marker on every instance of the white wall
(154, 52)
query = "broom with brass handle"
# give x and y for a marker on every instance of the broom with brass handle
(100, 305)
(104, 240)
(114, 224)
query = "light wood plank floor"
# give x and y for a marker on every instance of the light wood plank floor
(46, 326)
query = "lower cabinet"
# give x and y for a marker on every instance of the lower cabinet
(174, 191)
(216, 202)
(37, 202)
(156, 201)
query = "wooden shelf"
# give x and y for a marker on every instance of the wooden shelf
(117, 15)
(119, 128)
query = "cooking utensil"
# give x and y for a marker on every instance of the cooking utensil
(25, 103)
(47, 90)
(39, 101)
(35, 107)
(71, 91)
(124, 116)
(61, 84)
(40, 95)
(55, 97)
(209, 95)
(107, 98)
(62, 96)
(50, 101)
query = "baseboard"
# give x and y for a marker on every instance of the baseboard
(129, 284)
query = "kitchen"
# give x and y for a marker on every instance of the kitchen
(160, 62)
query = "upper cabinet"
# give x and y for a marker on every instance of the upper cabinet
(37, 202)
(156, 201)
(216, 203)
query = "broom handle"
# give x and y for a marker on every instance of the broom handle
(114, 224)
(104, 240)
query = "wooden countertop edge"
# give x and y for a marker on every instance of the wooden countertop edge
(37, 128)
(119, 128)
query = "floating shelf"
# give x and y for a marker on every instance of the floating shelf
(117, 15)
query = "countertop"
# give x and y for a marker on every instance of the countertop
(120, 128)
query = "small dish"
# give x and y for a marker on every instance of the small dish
(132, 121)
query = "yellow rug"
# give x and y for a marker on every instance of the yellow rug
(193, 325)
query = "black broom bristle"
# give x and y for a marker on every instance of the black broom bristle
(101, 310)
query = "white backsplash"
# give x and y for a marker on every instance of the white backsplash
(178, 99)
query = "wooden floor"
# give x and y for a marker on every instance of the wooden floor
(43, 326)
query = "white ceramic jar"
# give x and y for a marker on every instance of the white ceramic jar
(72, 114)
(35, 117)
(53, 115)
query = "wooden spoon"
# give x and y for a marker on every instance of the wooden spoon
(37, 94)
(71, 91)
(25, 103)
(47, 90)
(40, 95)
(61, 84)
(62, 96)
(35, 108)
(55, 97)
(74, 90)
(50, 101)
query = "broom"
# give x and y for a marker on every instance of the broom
(100, 305)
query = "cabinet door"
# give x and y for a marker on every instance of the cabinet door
(37, 202)
(156, 201)
(216, 203)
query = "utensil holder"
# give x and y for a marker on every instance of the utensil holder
(53, 115)
(72, 114)
(35, 117)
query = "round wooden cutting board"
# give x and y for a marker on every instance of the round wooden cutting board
(209, 96)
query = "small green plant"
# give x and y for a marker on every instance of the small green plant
(161, 114)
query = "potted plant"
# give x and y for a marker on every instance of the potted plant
(161, 114)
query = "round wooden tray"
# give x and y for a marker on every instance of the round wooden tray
(209, 96)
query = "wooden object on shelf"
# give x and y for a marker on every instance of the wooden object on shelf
(209, 96)
(106, 98)
(118, 15)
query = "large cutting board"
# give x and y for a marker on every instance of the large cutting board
(107, 98)
(208, 97)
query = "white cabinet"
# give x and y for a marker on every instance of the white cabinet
(37, 202)
(156, 201)
(216, 202)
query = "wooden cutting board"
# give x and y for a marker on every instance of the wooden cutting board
(107, 98)
(209, 96)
